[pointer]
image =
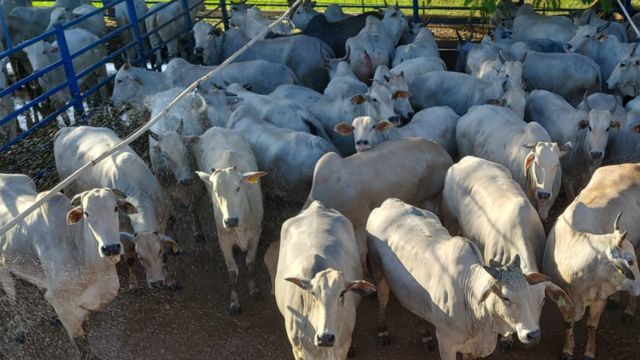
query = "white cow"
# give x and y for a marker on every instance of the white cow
(334, 13)
(344, 83)
(288, 156)
(412, 68)
(10, 129)
(252, 22)
(303, 14)
(437, 124)
(94, 24)
(230, 172)
(418, 167)
(530, 25)
(443, 280)
(625, 77)
(499, 135)
(607, 27)
(591, 258)
(587, 130)
(124, 170)
(169, 22)
(399, 88)
(317, 282)
(68, 248)
(123, 18)
(424, 45)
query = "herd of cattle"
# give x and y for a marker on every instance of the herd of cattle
(535, 109)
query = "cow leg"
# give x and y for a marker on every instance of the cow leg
(569, 345)
(426, 337)
(630, 311)
(226, 245)
(595, 311)
(569, 189)
(72, 317)
(271, 262)
(382, 288)
(254, 290)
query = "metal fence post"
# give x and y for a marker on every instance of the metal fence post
(67, 63)
(137, 37)
(416, 12)
(225, 15)
(187, 13)
(5, 28)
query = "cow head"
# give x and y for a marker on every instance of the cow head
(99, 209)
(621, 256)
(208, 43)
(399, 89)
(377, 102)
(625, 77)
(516, 299)
(303, 14)
(41, 54)
(128, 87)
(152, 248)
(366, 131)
(170, 152)
(593, 131)
(59, 15)
(542, 166)
(238, 10)
(396, 24)
(328, 299)
(231, 193)
(582, 39)
(509, 76)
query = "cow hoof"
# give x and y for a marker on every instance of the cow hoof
(613, 305)
(507, 345)
(21, 337)
(55, 321)
(234, 310)
(566, 356)
(383, 339)
(626, 319)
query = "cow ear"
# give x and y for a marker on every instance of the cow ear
(54, 49)
(562, 300)
(77, 200)
(74, 215)
(496, 102)
(302, 283)
(360, 287)
(252, 177)
(602, 38)
(343, 128)
(358, 99)
(383, 126)
(204, 177)
(127, 207)
(172, 247)
(528, 161)
(535, 278)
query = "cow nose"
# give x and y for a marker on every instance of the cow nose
(157, 284)
(110, 250)
(362, 142)
(186, 182)
(231, 222)
(543, 195)
(533, 336)
(394, 119)
(567, 47)
(596, 155)
(198, 50)
(410, 114)
(326, 339)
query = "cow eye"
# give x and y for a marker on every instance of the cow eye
(116, 209)
(587, 36)
(622, 65)
(374, 99)
(119, 81)
(590, 128)
(86, 214)
(238, 189)
(373, 127)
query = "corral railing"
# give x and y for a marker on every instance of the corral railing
(77, 97)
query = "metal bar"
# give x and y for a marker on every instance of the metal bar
(36, 74)
(76, 97)
(416, 14)
(626, 14)
(35, 127)
(5, 27)
(135, 28)
(34, 102)
(187, 14)
(191, 88)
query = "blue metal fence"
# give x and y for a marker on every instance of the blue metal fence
(72, 75)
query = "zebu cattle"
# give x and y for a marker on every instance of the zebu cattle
(412, 68)
(335, 34)
(529, 25)
(317, 282)
(625, 77)
(28, 22)
(499, 135)
(607, 27)
(124, 170)
(303, 14)
(473, 187)
(625, 145)
(377, 102)
(219, 45)
(68, 248)
(589, 254)
(94, 24)
(303, 54)
(399, 88)
(418, 166)
(123, 18)
(437, 124)
(288, 156)
(606, 50)
(587, 131)
(252, 22)
(443, 279)
(133, 84)
(229, 170)
(170, 21)
(344, 83)
(424, 45)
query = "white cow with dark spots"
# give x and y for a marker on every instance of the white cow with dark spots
(230, 172)
(318, 282)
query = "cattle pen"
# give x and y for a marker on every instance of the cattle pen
(191, 323)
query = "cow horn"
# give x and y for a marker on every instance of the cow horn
(515, 262)
(459, 36)
(616, 222)
(600, 28)
(501, 57)
(586, 100)
(119, 193)
(614, 103)
(180, 127)
(154, 136)
(77, 199)
(633, 51)
(385, 3)
(524, 57)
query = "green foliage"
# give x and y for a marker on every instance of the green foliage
(488, 7)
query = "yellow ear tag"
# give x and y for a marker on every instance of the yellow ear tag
(620, 271)
(252, 179)
(175, 248)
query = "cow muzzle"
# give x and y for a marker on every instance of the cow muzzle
(567, 47)
(597, 155)
(533, 337)
(231, 222)
(198, 51)
(325, 339)
(543, 195)
(362, 145)
(111, 250)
